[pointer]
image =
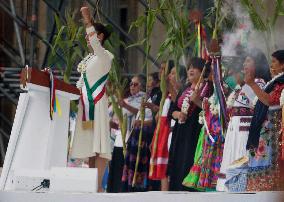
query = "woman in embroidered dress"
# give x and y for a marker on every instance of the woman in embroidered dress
(130, 106)
(265, 134)
(203, 175)
(186, 129)
(132, 144)
(92, 133)
(240, 106)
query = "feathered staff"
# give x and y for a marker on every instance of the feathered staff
(215, 55)
(200, 46)
(218, 86)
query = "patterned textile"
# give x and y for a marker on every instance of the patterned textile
(265, 161)
(160, 161)
(130, 161)
(192, 178)
(237, 132)
(180, 100)
(237, 175)
(212, 151)
(264, 170)
(237, 183)
(184, 141)
(210, 160)
(241, 111)
(159, 157)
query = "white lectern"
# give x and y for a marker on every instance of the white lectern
(38, 143)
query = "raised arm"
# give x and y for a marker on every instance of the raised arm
(92, 34)
(250, 80)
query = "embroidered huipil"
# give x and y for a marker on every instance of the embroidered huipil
(240, 104)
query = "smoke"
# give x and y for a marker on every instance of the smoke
(244, 34)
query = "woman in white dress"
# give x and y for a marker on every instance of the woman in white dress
(240, 104)
(92, 133)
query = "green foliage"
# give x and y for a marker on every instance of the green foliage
(149, 21)
(179, 36)
(69, 42)
(117, 84)
(256, 19)
(266, 25)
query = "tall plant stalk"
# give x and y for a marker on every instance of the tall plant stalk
(178, 34)
(69, 42)
(163, 86)
(117, 86)
(150, 21)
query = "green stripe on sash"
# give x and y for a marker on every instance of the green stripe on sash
(90, 98)
(90, 92)
(99, 82)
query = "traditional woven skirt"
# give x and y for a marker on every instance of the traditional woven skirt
(159, 162)
(130, 161)
(192, 178)
(264, 162)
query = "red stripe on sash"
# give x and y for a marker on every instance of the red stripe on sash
(83, 104)
(100, 95)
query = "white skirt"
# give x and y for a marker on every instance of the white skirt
(234, 147)
(94, 141)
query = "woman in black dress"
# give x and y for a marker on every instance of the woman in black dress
(187, 128)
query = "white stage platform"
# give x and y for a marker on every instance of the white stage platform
(12, 196)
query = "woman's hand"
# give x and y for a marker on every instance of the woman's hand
(151, 106)
(113, 125)
(86, 15)
(121, 103)
(182, 117)
(179, 115)
(249, 76)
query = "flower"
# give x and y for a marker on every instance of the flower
(80, 82)
(261, 148)
(185, 104)
(82, 66)
(213, 105)
(201, 117)
(231, 99)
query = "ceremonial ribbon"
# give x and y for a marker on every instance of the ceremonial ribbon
(54, 104)
(92, 95)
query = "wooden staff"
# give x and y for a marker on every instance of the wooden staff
(142, 115)
(200, 80)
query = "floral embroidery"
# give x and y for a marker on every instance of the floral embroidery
(271, 81)
(243, 128)
(245, 119)
(81, 68)
(242, 111)
(233, 96)
(275, 95)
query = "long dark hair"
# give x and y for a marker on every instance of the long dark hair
(100, 28)
(261, 64)
(279, 55)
